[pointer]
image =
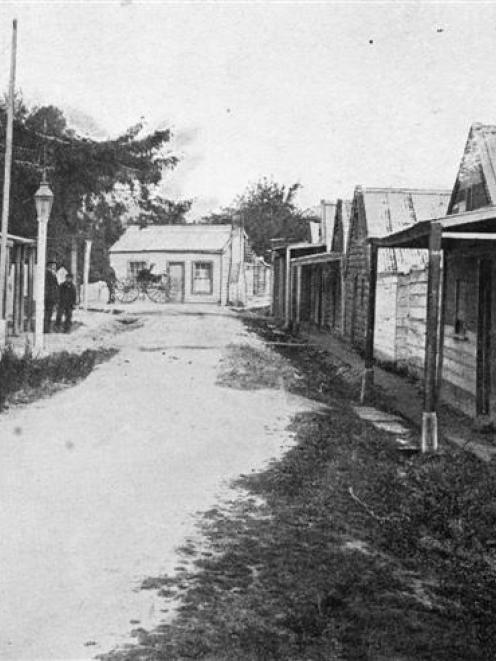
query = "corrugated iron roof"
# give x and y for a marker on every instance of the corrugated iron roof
(174, 238)
(389, 210)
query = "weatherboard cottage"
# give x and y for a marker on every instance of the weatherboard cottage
(205, 263)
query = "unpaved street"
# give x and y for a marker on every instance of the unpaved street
(99, 483)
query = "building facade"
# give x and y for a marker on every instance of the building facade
(376, 212)
(205, 263)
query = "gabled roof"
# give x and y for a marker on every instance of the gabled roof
(174, 238)
(471, 213)
(477, 168)
(390, 210)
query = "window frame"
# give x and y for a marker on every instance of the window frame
(211, 278)
(134, 274)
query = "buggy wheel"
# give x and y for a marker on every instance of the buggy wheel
(126, 292)
(158, 293)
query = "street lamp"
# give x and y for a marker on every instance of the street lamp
(43, 199)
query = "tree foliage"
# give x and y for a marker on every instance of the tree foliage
(83, 174)
(156, 210)
(269, 211)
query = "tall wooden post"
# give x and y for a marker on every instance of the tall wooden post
(368, 373)
(16, 290)
(287, 289)
(342, 311)
(298, 298)
(86, 272)
(30, 310)
(273, 285)
(74, 263)
(6, 188)
(22, 286)
(442, 318)
(429, 416)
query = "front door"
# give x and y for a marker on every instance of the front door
(484, 338)
(176, 275)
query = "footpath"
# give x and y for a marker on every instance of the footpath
(404, 396)
(91, 329)
(399, 396)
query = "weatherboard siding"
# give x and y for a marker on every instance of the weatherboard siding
(120, 260)
(385, 338)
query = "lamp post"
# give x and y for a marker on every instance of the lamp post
(238, 257)
(43, 199)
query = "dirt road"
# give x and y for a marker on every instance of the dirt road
(100, 483)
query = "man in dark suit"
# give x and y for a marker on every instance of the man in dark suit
(67, 301)
(51, 294)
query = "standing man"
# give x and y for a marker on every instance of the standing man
(51, 294)
(110, 279)
(67, 301)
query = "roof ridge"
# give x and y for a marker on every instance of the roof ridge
(423, 191)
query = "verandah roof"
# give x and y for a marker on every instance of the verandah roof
(320, 258)
(478, 225)
(12, 239)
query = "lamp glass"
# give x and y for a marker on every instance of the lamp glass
(43, 200)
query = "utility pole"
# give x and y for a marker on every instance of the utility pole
(6, 187)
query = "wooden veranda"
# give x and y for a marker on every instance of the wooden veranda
(472, 233)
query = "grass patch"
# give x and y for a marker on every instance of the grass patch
(296, 568)
(25, 378)
(247, 367)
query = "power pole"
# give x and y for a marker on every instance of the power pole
(6, 180)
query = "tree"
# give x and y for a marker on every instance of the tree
(269, 211)
(83, 174)
(156, 210)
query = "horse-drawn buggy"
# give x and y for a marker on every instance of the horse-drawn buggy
(146, 283)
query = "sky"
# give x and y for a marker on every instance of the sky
(328, 94)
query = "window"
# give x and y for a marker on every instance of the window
(460, 307)
(202, 282)
(133, 268)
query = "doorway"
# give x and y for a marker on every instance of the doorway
(176, 275)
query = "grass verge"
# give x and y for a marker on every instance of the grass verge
(24, 378)
(343, 549)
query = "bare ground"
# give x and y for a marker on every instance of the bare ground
(341, 549)
(100, 482)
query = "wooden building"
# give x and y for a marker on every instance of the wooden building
(21, 254)
(205, 263)
(460, 351)
(284, 278)
(320, 302)
(376, 212)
